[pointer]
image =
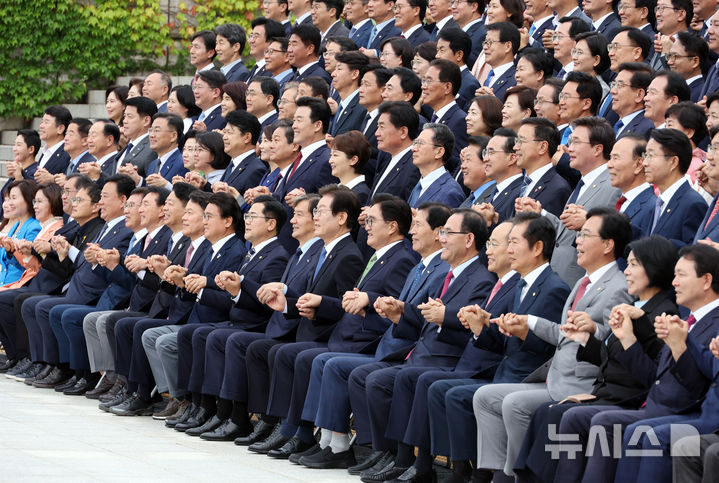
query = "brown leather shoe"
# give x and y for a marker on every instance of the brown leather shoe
(104, 386)
(114, 391)
(172, 408)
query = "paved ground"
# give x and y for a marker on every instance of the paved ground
(48, 437)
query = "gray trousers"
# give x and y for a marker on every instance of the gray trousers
(160, 345)
(503, 412)
(688, 466)
(100, 349)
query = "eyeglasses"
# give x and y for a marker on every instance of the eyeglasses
(619, 85)
(487, 44)
(616, 45)
(713, 148)
(491, 245)
(576, 51)
(585, 234)
(326, 54)
(250, 217)
(563, 96)
(672, 57)
(647, 155)
(445, 233)
(208, 216)
(196, 87)
(489, 152)
(621, 7)
(129, 205)
(387, 54)
(661, 8)
(521, 141)
(420, 143)
(574, 140)
(416, 62)
(68, 191)
(539, 101)
(273, 51)
(317, 212)
(282, 102)
(76, 199)
(457, 2)
(370, 220)
(556, 37)
(37, 202)
(428, 82)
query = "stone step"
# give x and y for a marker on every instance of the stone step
(5, 155)
(96, 97)
(8, 137)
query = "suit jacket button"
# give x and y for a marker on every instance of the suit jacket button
(656, 382)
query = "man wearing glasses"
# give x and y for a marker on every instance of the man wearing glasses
(628, 91)
(277, 62)
(687, 56)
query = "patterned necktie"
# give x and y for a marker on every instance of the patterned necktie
(565, 135)
(447, 281)
(711, 215)
(372, 35)
(370, 264)
(606, 106)
(414, 196)
(691, 320)
(418, 273)
(580, 292)
(434, 118)
(247, 259)
(525, 184)
(294, 166)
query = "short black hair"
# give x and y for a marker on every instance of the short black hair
(353, 143)
(600, 132)
(458, 40)
(422, 4)
(234, 34)
(442, 136)
(123, 183)
(688, 8)
(200, 197)
(208, 38)
(174, 122)
(94, 191)
(615, 226)
(61, 114)
(338, 5)
(508, 32)
(318, 86)
(183, 191)
(144, 105)
(706, 260)
(31, 138)
(109, 128)
(394, 209)
(381, 74)
(437, 213)
(449, 72)
(162, 194)
(309, 35)
(694, 46)
(641, 74)
(674, 143)
(271, 208)
(676, 85)
(540, 60)
(545, 130)
(577, 26)
(269, 87)
(409, 81)
(186, 99)
(83, 125)
(319, 110)
(539, 229)
(510, 138)
(355, 60)
(229, 209)
(273, 28)
(650, 6)
(402, 114)
(346, 44)
(214, 143)
(588, 87)
(401, 48)
(637, 37)
(214, 78)
(658, 257)
(690, 116)
(343, 200)
(597, 44)
(246, 123)
(472, 222)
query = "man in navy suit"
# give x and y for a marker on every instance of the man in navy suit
(708, 228)
(672, 389)
(442, 339)
(441, 12)
(450, 42)
(311, 169)
(277, 62)
(261, 97)
(328, 402)
(229, 44)
(712, 84)
(137, 155)
(53, 158)
(356, 13)
(202, 50)
(430, 152)
(88, 280)
(409, 18)
(301, 11)
(349, 68)
(537, 141)
(604, 20)
(500, 46)
(304, 51)
(627, 102)
(626, 172)
(157, 87)
(337, 269)
(264, 264)
(165, 134)
(566, 29)
(543, 19)
(264, 30)
(372, 86)
(688, 56)
(469, 18)
(501, 166)
(208, 97)
(382, 14)
(102, 140)
(667, 88)
(76, 145)
(240, 136)
(440, 86)
(679, 208)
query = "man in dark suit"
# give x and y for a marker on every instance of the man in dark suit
(688, 56)
(157, 87)
(264, 30)
(349, 68)
(328, 401)
(441, 12)
(202, 50)
(501, 166)
(264, 264)
(326, 17)
(372, 85)
(76, 145)
(626, 172)
(626, 102)
(165, 134)
(356, 13)
(53, 158)
(539, 291)
(469, 18)
(679, 208)
(277, 62)
(338, 267)
(667, 88)
(604, 20)
(409, 18)
(382, 14)
(304, 51)
(712, 77)
(450, 42)
(208, 96)
(261, 97)
(542, 19)
(137, 155)
(229, 45)
(102, 140)
(440, 85)
(537, 141)
(708, 226)
(474, 176)
(442, 339)
(88, 280)
(673, 389)
(302, 12)
(501, 45)
(430, 151)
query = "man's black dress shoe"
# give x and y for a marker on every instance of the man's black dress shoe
(66, 385)
(389, 472)
(114, 391)
(133, 406)
(261, 431)
(198, 419)
(295, 457)
(293, 445)
(18, 368)
(80, 387)
(326, 459)
(274, 441)
(380, 459)
(209, 425)
(411, 476)
(227, 431)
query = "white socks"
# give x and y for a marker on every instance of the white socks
(325, 438)
(340, 442)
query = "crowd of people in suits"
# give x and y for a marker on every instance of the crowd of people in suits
(490, 237)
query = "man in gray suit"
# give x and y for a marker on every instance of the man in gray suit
(137, 155)
(503, 411)
(589, 148)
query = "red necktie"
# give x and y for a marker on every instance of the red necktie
(691, 320)
(496, 288)
(447, 279)
(188, 255)
(714, 212)
(294, 167)
(580, 292)
(620, 202)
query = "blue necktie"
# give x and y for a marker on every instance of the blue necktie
(130, 245)
(415, 195)
(202, 117)
(606, 106)
(565, 135)
(618, 127)
(434, 118)
(247, 259)
(321, 260)
(525, 183)
(489, 78)
(532, 29)
(518, 294)
(372, 35)
(417, 274)
(561, 73)
(575, 194)
(657, 213)
(352, 31)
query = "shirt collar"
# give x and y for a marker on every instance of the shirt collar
(599, 273)
(443, 22)
(427, 181)
(226, 68)
(281, 76)
(469, 24)
(701, 312)
(220, 243)
(331, 245)
(302, 17)
(443, 110)
(236, 161)
(381, 251)
(303, 69)
(601, 19)
(534, 274)
(139, 139)
(457, 271)
(102, 160)
(505, 278)
(306, 246)
(382, 25)
(538, 23)
(77, 158)
(500, 70)
(208, 111)
(628, 118)
(539, 172)
(411, 30)
(345, 102)
(257, 248)
(428, 259)
(354, 182)
(669, 192)
(140, 233)
(209, 66)
(111, 224)
(324, 34)
(260, 63)
(593, 174)
(51, 150)
(692, 79)
(266, 116)
(311, 149)
(506, 182)
(482, 188)
(154, 232)
(167, 155)
(633, 193)
(359, 24)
